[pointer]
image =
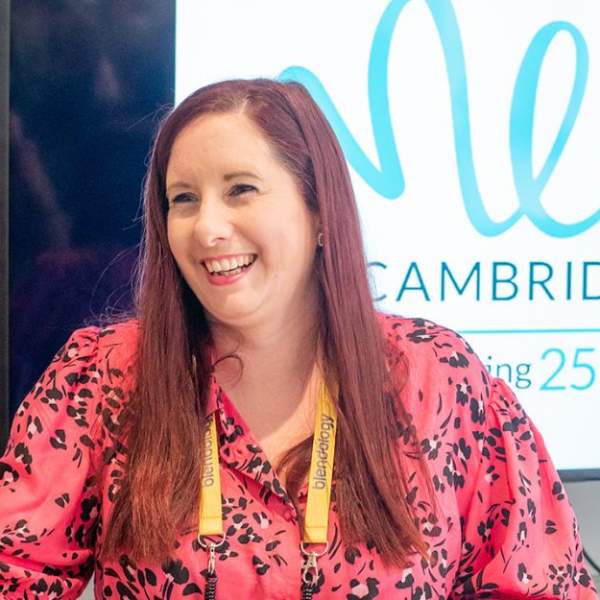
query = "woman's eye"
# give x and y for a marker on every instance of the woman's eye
(181, 198)
(241, 188)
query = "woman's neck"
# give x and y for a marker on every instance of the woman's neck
(272, 392)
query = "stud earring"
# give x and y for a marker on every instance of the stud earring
(320, 239)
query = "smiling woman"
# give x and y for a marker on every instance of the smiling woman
(238, 195)
(256, 422)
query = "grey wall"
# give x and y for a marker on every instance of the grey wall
(585, 498)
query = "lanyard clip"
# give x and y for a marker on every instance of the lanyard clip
(310, 569)
(211, 558)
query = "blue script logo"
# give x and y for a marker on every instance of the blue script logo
(388, 179)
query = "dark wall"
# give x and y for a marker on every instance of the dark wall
(4, 49)
(88, 84)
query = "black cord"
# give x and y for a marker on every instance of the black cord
(589, 559)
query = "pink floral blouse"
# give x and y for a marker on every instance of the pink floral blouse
(504, 528)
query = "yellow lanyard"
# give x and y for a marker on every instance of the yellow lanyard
(319, 478)
(211, 513)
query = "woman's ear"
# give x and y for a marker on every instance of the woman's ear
(318, 231)
(317, 227)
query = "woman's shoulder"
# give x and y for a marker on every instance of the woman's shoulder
(87, 381)
(109, 346)
(120, 337)
(443, 376)
(427, 344)
(414, 329)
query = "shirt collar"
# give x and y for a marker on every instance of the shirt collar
(213, 400)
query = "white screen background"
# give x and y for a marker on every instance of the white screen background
(557, 341)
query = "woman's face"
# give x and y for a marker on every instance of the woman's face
(231, 198)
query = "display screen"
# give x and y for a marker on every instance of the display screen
(471, 130)
(89, 82)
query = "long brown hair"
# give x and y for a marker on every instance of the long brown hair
(164, 414)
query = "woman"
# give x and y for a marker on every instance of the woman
(173, 453)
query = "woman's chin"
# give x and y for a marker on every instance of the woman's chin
(236, 314)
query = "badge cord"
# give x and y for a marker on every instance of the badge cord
(319, 490)
(210, 511)
(317, 505)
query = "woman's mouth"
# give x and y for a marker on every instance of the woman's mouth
(227, 276)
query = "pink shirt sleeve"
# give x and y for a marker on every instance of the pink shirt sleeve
(49, 496)
(520, 535)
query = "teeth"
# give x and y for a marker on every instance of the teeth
(229, 264)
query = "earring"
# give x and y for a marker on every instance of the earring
(320, 239)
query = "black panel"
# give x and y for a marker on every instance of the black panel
(4, 363)
(89, 81)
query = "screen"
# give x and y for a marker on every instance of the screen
(89, 83)
(471, 131)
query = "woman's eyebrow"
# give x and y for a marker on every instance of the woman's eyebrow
(234, 174)
(179, 184)
(227, 177)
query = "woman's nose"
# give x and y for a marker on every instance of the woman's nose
(213, 222)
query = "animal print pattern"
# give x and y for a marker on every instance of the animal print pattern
(502, 528)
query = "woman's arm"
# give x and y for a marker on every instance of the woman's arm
(520, 535)
(49, 497)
